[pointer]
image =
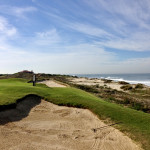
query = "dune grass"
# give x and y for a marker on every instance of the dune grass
(135, 123)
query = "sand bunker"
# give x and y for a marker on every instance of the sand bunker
(44, 126)
(52, 83)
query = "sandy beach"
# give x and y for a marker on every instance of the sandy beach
(38, 124)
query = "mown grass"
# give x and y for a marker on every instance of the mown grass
(135, 123)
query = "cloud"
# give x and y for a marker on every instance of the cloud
(47, 38)
(17, 11)
(117, 24)
(7, 33)
(134, 65)
(134, 12)
(6, 29)
(138, 41)
(21, 11)
(83, 58)
(127, 20)
(77, 58)
(89, 29)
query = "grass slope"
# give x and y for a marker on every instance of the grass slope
(136, 123)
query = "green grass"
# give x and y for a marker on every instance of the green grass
(135, 123)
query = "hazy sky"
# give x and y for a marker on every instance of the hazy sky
(75, 36)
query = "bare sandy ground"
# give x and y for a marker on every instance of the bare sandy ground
(51, 127)
(87, 81)
(52, 83)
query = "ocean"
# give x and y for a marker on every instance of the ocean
(130, 78)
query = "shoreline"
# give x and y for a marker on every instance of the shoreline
(135, 96)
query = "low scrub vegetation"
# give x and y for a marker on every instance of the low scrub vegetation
(139, 86)
(127, 87)
(106, 81)
(123, 82)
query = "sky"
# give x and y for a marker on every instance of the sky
(75, 36)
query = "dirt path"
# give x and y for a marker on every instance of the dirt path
(50, 127)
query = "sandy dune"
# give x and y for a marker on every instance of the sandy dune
(100, 82)
(40, 125)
